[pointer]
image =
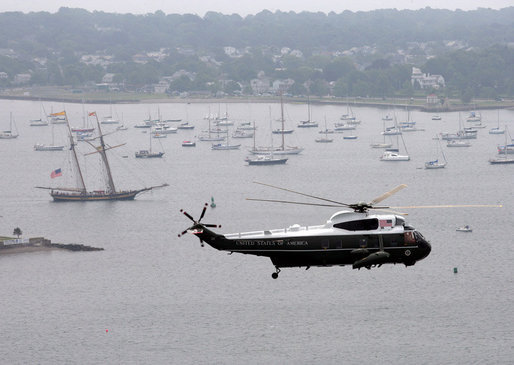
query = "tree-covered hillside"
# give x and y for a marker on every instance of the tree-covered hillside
(351, 53)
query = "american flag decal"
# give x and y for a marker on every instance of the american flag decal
(385, 223)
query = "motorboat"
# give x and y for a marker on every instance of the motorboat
(282, 131)
(307, 124)
(225, 146)
(394, 156)
(188, 143)
(148, 154)
(185, 125)
(458, 143)
(44, 147)
(38, 123)
(465, 228)
(266, 160)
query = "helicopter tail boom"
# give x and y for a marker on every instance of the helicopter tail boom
(206, 235)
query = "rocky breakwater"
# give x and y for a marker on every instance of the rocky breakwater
(40, 244)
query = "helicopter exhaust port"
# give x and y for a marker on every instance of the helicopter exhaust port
(376, 258)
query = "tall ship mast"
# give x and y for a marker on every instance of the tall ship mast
(80, 193)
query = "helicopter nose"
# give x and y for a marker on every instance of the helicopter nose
(424, 246)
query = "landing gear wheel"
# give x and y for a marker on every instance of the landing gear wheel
(275, 274)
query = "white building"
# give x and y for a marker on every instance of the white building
(260, 85)
(281, 85)
(22, 78)
(426, 81)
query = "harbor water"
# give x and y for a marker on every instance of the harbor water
(153, 298)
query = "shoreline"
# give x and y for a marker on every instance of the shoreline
(37, 244)
(453, 106)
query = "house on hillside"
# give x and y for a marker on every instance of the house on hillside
(281, 86)
(426, 81)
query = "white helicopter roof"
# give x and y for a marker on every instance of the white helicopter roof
(389, 222)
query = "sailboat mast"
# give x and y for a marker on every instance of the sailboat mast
(282, 119)
(440, 148)
(271, 134)
(82, 185)
(110, 182)
(308, 109)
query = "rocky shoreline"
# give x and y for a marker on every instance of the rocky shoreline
(40, 244)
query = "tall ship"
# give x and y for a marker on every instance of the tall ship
(80, 192)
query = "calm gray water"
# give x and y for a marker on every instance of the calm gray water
(151, 297)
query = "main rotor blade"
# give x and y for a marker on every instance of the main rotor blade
(187, 215)
(451, 206)
(203, 212)
(291, 202)
(307, 195)
(209, 225)
(387, 195)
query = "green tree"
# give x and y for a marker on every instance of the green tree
(17, 232)
(319, 87)
(232, 87)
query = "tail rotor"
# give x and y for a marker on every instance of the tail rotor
(197, 225)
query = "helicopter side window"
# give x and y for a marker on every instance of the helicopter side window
(400, 221)
(359, 225)
(325, 243)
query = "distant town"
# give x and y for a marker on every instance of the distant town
(111, 53)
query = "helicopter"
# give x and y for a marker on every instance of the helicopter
(355, 236)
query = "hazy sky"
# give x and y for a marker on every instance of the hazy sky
(242, 7)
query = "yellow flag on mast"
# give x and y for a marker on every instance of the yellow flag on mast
(58, 114)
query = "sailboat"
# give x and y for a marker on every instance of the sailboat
(86, 125)
(210, 137)
(110, 119)
(225, 146)
(39, 122)
(394, 154)
(307, 123)
(9, 133)
(436, 164)
(383, 144)
(283, 149)
(48, 147)
(270, 159)
(325, 139)
(474, 117)
(148, 153)
(349, 118)
(497, 130)
(80, 192)
(502, 158)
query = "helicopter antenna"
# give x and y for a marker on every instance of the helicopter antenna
(303, 194)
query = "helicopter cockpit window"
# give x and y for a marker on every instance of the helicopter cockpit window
(359, 225)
